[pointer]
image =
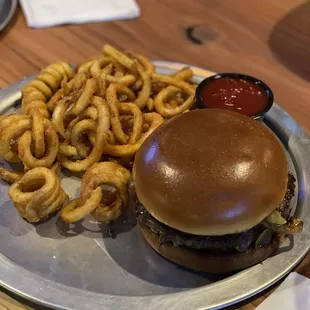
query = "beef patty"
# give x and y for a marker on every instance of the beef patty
(235, 242)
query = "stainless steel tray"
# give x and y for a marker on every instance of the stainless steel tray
(78, 267)
(7, 10)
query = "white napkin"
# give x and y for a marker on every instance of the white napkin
(47, 13)
(292, 294)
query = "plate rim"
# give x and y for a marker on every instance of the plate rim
(195, 298)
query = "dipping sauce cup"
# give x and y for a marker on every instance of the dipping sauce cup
(235, 92)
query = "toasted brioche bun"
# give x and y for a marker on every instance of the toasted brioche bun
(207, 261)
(211, 172)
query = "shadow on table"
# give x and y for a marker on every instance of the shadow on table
(55, 228)
(287, 245)
(289, 40)
(135, 256)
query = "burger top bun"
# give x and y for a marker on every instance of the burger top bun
(211, 172)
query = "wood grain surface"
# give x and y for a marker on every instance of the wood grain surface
(267, 39)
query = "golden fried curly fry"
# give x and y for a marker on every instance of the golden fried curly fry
(77, 134)
(56, 168)
(166, 111)
(153, 120)
(146, 64)
(71, 89)
(37, 194)
(150, 105)
(24, 148)
(127, 108)
(38, 91)
(111, 138)
(98, 65)
(67, 150)
(136, 131)
(53, 75)
(123, 59)
(100, 140)
(12, 133)
(187, 88)
(105, 78)
(112, 174)
(91, 112)
(58, 116)
(7, 120)
(115, 121)
(38, 133)
(78, 208)
(89, 90)
(127, 79)
(9, 176)
(145, 92)
(101, 61)
(93, 198)
(185, 74)
(119, 70)
(102, 81)
(124, 94)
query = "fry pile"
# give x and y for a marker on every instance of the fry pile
(93, 118)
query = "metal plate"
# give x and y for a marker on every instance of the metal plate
(80, 268)
(7, 10)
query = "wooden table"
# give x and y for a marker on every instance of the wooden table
(267, 39)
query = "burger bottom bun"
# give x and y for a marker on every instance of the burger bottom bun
(206, 261)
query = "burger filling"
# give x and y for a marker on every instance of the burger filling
(279, 222)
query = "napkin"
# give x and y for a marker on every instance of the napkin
(292, 294)
(47, 13)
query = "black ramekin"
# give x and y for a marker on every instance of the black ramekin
(258, 116)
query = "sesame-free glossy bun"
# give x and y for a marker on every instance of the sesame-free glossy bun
(211, 172)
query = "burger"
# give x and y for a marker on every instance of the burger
(213, 191)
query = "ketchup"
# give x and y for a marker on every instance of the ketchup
(235, 94)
